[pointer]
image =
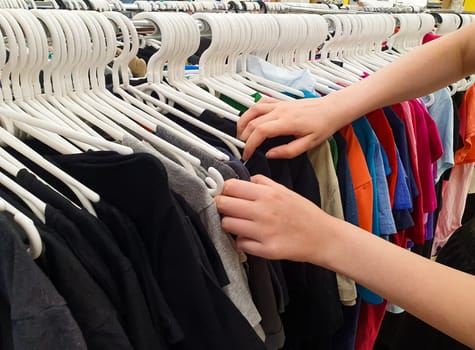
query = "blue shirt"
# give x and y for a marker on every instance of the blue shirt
(306, 94)
(442, 113)
(402, 195)
(402, 204)
(383, 222)
(400, 137)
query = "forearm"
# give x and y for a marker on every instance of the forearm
(439, 295)
(424, 70)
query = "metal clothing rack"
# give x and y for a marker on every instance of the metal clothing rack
(214, 6)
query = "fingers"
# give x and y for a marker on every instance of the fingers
(272, 221)
(292, 149)
(240, 227)
(252, 113)
(253, 124)
(234, 207)
(249, 236)
(262, 132)
(250, 246)
(240, 189)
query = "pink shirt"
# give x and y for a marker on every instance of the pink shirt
(454, 196)
(429, 149)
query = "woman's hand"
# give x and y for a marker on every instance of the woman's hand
(273, 222)
(311, 121)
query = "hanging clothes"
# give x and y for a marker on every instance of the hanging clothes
(32, 310)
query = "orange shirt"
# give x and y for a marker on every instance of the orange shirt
(361, 178)
(466, 154)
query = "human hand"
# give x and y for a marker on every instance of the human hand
(273, 222)
(311, 121)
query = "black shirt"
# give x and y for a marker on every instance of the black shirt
(95, 315)
(131, 245)
(122, 286)
(458, 254)
(33, 315)
(209, 255)
(125, 234)
(314, 313)
(345, 182)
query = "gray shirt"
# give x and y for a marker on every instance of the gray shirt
(206, 159)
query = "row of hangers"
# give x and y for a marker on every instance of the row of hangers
(71, 49)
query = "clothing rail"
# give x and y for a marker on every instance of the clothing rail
(144, 26)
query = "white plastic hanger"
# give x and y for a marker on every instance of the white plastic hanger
(90, 142)
(164, 91)
(365, 31)
(171, 27)
(296, 56)
(131, 41)
(32, 60)
(84, 194)
(213, 61)
(263, 41)
(37, 206)
(248, 31)
(373, 33)
(408, 24)
(329, 49)
(125, 25)
(344, 54)
(341, 40)
(57, 79)
(388, 27)
(155, 68)
(34, 239)
(21, 58)
(230, 141)
(215, 180)
(174, 128)
(113, 115)
(293, 35)
(233, 29)
(305, 56)
(23, 119)
(450, 23)
(229, 31)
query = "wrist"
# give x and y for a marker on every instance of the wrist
(338, 244)
(327, 234)
(343, 109)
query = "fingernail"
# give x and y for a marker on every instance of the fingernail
(270, 154)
